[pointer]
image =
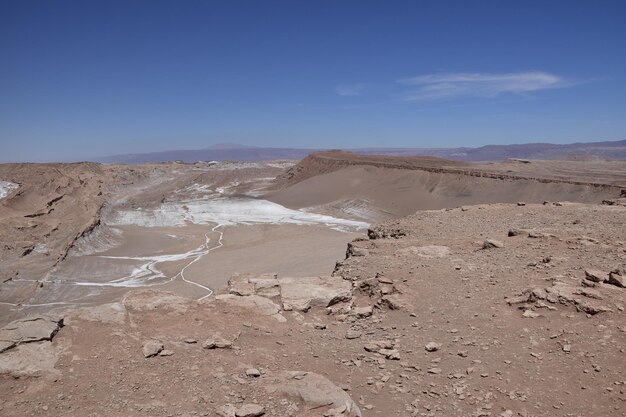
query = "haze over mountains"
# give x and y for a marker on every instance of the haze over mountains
(544, 151)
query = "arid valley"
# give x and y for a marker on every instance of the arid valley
(339, 285)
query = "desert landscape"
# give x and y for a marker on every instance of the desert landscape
(312, 209)
(342, 284)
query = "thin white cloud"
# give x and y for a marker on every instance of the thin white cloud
(350, 90)
(452, 85)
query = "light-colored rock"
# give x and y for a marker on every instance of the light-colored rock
(303, 293)
(114, 313)
(353, 334)
(426, 252)
(250, 410)
(227, 410)
(492, 243)
(595, 275)
(431, 347)
(392, 354)
(377, 345)
(363, 312)
(151, 348)
(166, 352)
(266, 285)
(241, 288)
(261, 305)
(217, 342)
(150, 300)
(28, 330)
(253, 372)
(529, 314)
(31, 359)
(314, 390)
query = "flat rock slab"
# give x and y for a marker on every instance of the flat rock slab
(33, 359)
(261, 305)
(27, 330)
(314, 390)
(303, 293)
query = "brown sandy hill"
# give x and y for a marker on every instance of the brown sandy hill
(397, 186)
(54, 205)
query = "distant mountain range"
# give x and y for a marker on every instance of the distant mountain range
(234, 152)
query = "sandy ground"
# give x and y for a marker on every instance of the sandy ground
(431, 283)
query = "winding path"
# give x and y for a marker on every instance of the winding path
(197, 254)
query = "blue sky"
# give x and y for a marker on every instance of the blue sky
(85, 78)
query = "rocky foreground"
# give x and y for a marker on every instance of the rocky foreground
(494, 310)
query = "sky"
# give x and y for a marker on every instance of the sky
(81, 79)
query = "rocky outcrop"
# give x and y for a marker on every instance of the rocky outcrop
(269, 295)
(28, 330)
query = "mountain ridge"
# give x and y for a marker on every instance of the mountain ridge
(494, 152)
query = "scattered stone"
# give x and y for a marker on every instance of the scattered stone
(432, 347)
(491, 243)
(151, 348)
(253, 372)
(529, 314)
(353, 334)
(391, 354)
(375, 346)
(250, 410)
(595, 275)
(363, 312)
(617, 278)
(517, 232)
(217, 342)
(567, 348)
